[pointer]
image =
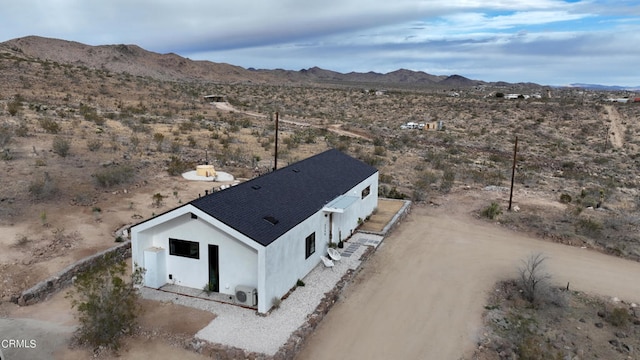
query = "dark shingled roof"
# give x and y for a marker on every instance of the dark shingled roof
(268, 206)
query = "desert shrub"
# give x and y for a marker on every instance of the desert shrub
(426, 179)
(592, 196)
(492, 211)
(565, 198)
(43, 188)
(175, 147)
(114, 175)
(61, 146)
(14, 106)
(372, 160)
(158, 138)
(618, 317)
(395, 194)
(22, 130)
(535, 347)
(48, 125)
(533, 281)
(91, 114)
(448, 178)
(178, 166)
(94, 144)
(419, 195)
(6, 133)
(157, 199)
(187, 126)
(379, 150)
(588, 227)
(107, 305)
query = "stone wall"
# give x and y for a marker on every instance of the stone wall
(43, 289)
(395, 220)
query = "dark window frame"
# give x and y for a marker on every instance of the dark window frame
(184, 248)
(310, 245)
(366, 191)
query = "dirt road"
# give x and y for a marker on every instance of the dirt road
(421, 296)
(334, 128)
(616, 129)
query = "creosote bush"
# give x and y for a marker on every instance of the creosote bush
(107, 305)
(177, 166)
(492, 211)
(565, 198)
(61, 146)
(618, 317)
(114, 175)
(43, 188)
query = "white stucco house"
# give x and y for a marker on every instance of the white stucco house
(256, 239)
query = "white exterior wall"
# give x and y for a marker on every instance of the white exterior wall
(344, 224)
(285, 261)
(237, 261)
(273, 270)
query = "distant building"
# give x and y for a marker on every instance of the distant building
(516, 96)
(434, 125)
(214, 98)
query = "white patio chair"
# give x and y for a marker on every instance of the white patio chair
(334, 254)
(327, 262)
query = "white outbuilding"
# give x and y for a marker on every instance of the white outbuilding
(255, 240)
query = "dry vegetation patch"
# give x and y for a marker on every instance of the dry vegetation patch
(568, 324)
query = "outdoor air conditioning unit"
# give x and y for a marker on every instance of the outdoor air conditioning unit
(246, 295)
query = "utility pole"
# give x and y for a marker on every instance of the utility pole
(275, 159)
(513, 171)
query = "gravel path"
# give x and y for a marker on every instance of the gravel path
(243, 328)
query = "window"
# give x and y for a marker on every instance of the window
(190, 249)
(310, 245)
(366, 191)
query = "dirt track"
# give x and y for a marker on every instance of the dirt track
(421, 296)
(616, 129)
(334, 128)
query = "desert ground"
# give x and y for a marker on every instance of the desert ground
(422, 295)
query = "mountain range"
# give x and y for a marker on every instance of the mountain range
(137, 61)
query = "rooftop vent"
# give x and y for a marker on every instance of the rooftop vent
(271, 219)
(295, 170)
(256, 187)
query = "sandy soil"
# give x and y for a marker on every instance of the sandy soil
(335, 128)
(616, 129)
(421, 296)
(51, 324)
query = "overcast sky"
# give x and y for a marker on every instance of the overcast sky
(550, 42)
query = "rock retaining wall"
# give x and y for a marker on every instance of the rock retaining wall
(43, 289)
(395, 220)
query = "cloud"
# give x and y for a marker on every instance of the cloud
(511, 40)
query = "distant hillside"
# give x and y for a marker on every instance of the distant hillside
(137, 61)
(605, 87)
(131, 59)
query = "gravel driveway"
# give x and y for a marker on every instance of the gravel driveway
(243, 328)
